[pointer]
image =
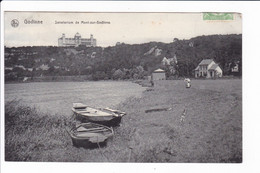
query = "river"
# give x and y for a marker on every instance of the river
(57, 97)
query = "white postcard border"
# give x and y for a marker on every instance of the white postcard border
(251, 28)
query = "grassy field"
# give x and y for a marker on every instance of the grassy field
(211, 131)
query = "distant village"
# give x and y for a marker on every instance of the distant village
(207, 68)
(80, 56)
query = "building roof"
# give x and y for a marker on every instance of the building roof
(213, 67)
(205, 61)
(77, 35)
(159, 71)
(197, 68)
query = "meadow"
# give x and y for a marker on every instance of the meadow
(211, 131)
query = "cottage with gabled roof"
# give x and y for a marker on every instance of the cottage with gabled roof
(207, 68)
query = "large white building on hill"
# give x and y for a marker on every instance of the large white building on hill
(77, 41)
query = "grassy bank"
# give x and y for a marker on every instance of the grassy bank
(210, 132)
(29, 133)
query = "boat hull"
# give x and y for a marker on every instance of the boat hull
(108, 121)
(105, 116)
(90, 135)
(85, 143)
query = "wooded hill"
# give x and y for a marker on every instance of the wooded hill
(124, 61)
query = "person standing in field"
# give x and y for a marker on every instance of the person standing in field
(188, 82)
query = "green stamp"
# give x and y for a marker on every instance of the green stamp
(218, 16)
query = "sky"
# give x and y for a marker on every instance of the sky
(130, 28)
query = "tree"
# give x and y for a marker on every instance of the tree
(118, 74)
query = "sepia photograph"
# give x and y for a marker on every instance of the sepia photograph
(123, 87)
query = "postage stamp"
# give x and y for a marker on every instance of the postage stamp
(218, 16)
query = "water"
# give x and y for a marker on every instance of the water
(57, 97)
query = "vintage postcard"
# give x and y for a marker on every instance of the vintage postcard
(123, 87)
(99, 86)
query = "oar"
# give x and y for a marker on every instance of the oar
(91, 129)
(94, 131)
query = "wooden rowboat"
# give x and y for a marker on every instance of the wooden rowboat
(89, 135)
(105, 116)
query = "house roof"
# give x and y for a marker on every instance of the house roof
(77, 35)
(159, 71)
(197, 68)
(205, 61)
(213, 67)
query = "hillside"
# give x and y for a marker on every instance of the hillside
(124, 61)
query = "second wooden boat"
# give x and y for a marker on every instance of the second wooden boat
(90, 135)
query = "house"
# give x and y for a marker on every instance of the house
(169, 61)
(165, 61)
(207, 68)
(158, 74)
(235, 68)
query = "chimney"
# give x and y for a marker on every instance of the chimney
(63, 37)
(91, 40)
